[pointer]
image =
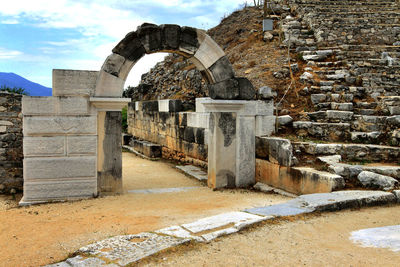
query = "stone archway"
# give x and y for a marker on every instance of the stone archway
(73, 138)
(191, 43)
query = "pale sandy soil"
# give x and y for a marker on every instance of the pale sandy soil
(43, 234)
(316, 240)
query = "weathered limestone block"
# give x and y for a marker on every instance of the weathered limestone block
(44, 146)
(170, 36)
(189, 41)
(222, 169)
(297, 180)
(130, 47)
(245, 168)
(74, 82)
(66, 105)
(55, 168)
(265, 125)
(377, 181)
(109, 85)
(209, 51)
(150, 37)
(170, 105)
(81, 145)
(198, 120)
(246, 89)
(222, 70)
(37, 192)
(109, 154)
(113, 64)
(59, 125)
(227, 89)
(279, 150)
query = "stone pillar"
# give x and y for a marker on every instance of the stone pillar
(109, 160)
(109, 143)
(231, 143)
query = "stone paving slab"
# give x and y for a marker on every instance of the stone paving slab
(124, 250)
(194, 171)
(326, 202)
(207, 229)
(280, 210)
(381, 237)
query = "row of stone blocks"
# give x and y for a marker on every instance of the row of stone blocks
(60, 148)
(190, 148)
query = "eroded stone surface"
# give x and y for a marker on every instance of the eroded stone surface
(124, 250)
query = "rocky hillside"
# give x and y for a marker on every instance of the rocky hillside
(261, 59)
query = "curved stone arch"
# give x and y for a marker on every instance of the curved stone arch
(191, 43)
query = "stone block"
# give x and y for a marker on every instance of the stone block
(199, 104)
(58, 190)
(245, 154)
(395, 110)
(130, 47)
(197, 119)
(44, 146)
(335, 115)
(263, 107)
(377, 181)
(65, 105)
(58, 168)
(280, 151)
(169, 105)
(222, 70)
(108, 85)
(74, 82)
(222, 147)
(150, 37)
(227, 89)
(170, 36)
(189, 42)
(246, 89)
(209, 51)
(265, 125)
(59, 125)
(81, 145)
(266, 93)
(113, 64)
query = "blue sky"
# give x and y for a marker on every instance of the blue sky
(37, 36)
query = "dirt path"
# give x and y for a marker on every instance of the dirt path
(321, 240)
(38, 235)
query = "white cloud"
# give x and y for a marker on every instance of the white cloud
(9, 21)
(6, 54)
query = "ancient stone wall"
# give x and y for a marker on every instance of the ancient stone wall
(182, 134)
(11, 143)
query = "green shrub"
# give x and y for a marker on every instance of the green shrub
(15, 90)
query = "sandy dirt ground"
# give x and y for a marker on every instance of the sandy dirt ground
(43, 234)
(315, 240)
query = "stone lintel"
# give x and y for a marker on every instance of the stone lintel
(109, 103)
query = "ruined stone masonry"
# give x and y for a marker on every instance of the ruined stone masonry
(11, 143)
(72, 140)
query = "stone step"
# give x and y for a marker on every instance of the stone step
(349, 152)
(331, 116)
(322, 130)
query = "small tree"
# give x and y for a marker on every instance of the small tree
(15, 90)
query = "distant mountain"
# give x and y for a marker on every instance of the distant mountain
(14, 80)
